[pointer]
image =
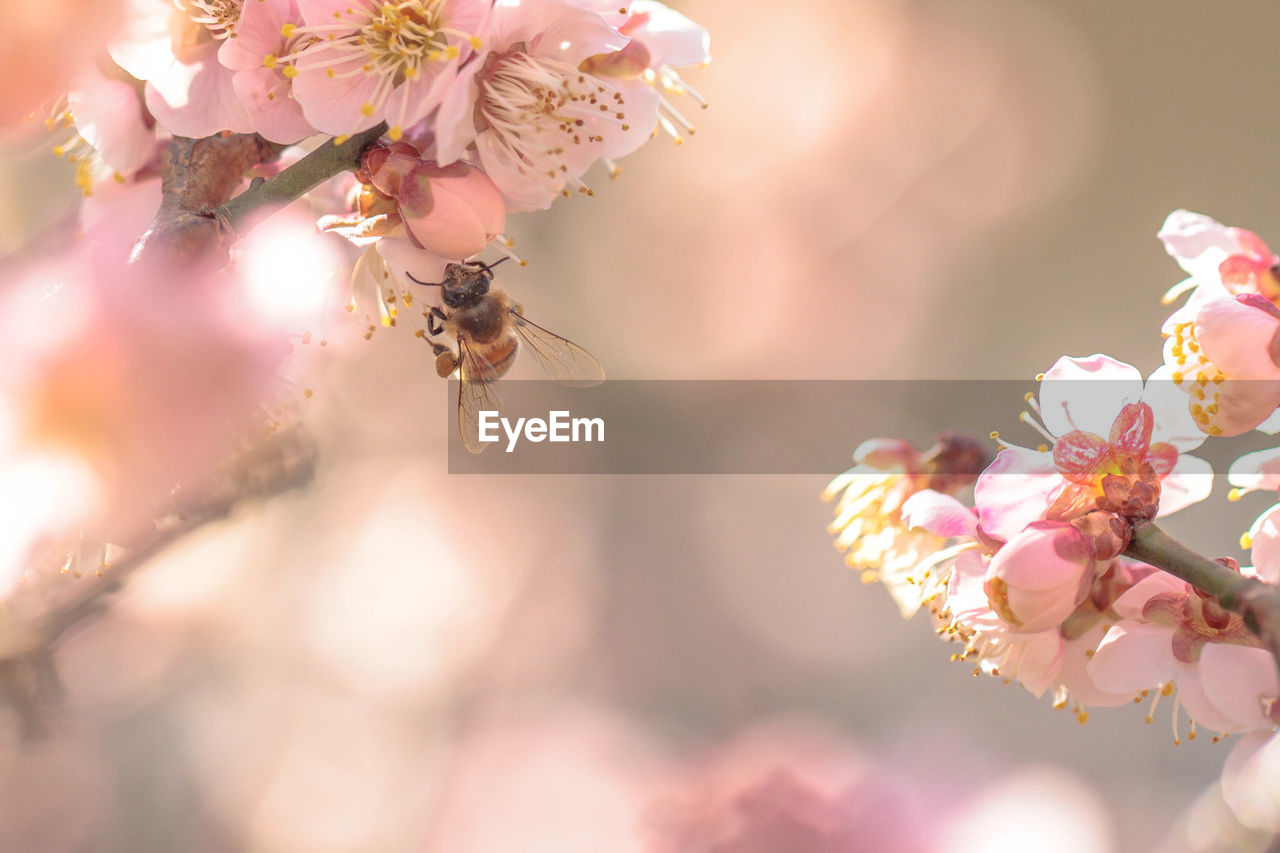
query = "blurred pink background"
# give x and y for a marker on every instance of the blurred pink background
(396, 659)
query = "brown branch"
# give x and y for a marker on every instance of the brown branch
(199, 176)
(28, 678)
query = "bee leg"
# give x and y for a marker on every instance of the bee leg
(446, 361)
(435, 321)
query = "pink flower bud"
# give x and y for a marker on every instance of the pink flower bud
(451, 211)
(1036, 580)
(386, 167)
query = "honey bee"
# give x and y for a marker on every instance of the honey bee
(490, 328)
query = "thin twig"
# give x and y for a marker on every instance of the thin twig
(265, 197)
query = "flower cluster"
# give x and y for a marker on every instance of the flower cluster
(486, 107)
(1032, 577)
(534, 92)
(1038, 575)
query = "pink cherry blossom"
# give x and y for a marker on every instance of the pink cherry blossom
(175, 50)
(359, 62)
(536, 120)
(1138, 470)
(872, 526)
(1222, 345)
(662, 40)
(1170, 632)
(109, 116)
(263, 83)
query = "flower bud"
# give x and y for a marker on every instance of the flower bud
(451, 211)
(1036, 580)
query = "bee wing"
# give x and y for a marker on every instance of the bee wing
(567, 362)
(475, 394)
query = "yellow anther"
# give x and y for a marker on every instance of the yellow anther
(366, 109)
(1029, 397)
(270, 60)
(290, 72)
(1167, 689)
(395, 133)
(1039, 377)
(328, 72)
(1235, 495)
(288, 30)
(994, 436)
(1246, 540)
(340, 140)
(1082, 717)
(475, 42)
(1215, 430)
(1176, 377)
(308, 393)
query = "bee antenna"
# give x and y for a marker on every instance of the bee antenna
(424, 283)
(488, 267)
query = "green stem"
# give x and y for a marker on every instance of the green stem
(266, 197)
(1256, 601)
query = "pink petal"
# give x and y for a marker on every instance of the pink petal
(144, 49)
(406, 259)
(940, 514)
(1190, 481)
(198, 99)
(1199, 244)
(276, 115)
(1173, 422)
(1258, 470)
(1131, 603)
(109, 115)
(552, 29)
(1265, 551)
(640, 104)
(1015, 490)
(672, 39)
(1245, 403)
(1080, 456)
(1238, 680)
(1076, 655)
(1251, 781)
(1133, 656)
(1039, 660)
(1237, 338)
(1087, 393)
(333, 104)
(1131, 430)
(1195, 701)
(258, 34)
(454, 123)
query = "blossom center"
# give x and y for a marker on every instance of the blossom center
(217, 17)
(540, 108)
(401, 37)
(1204, 378)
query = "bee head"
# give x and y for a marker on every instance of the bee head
(464, 283)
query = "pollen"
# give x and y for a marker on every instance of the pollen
(288, 30)
(290, 72)
(366, 109)
(270, 60)
(395, 133)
